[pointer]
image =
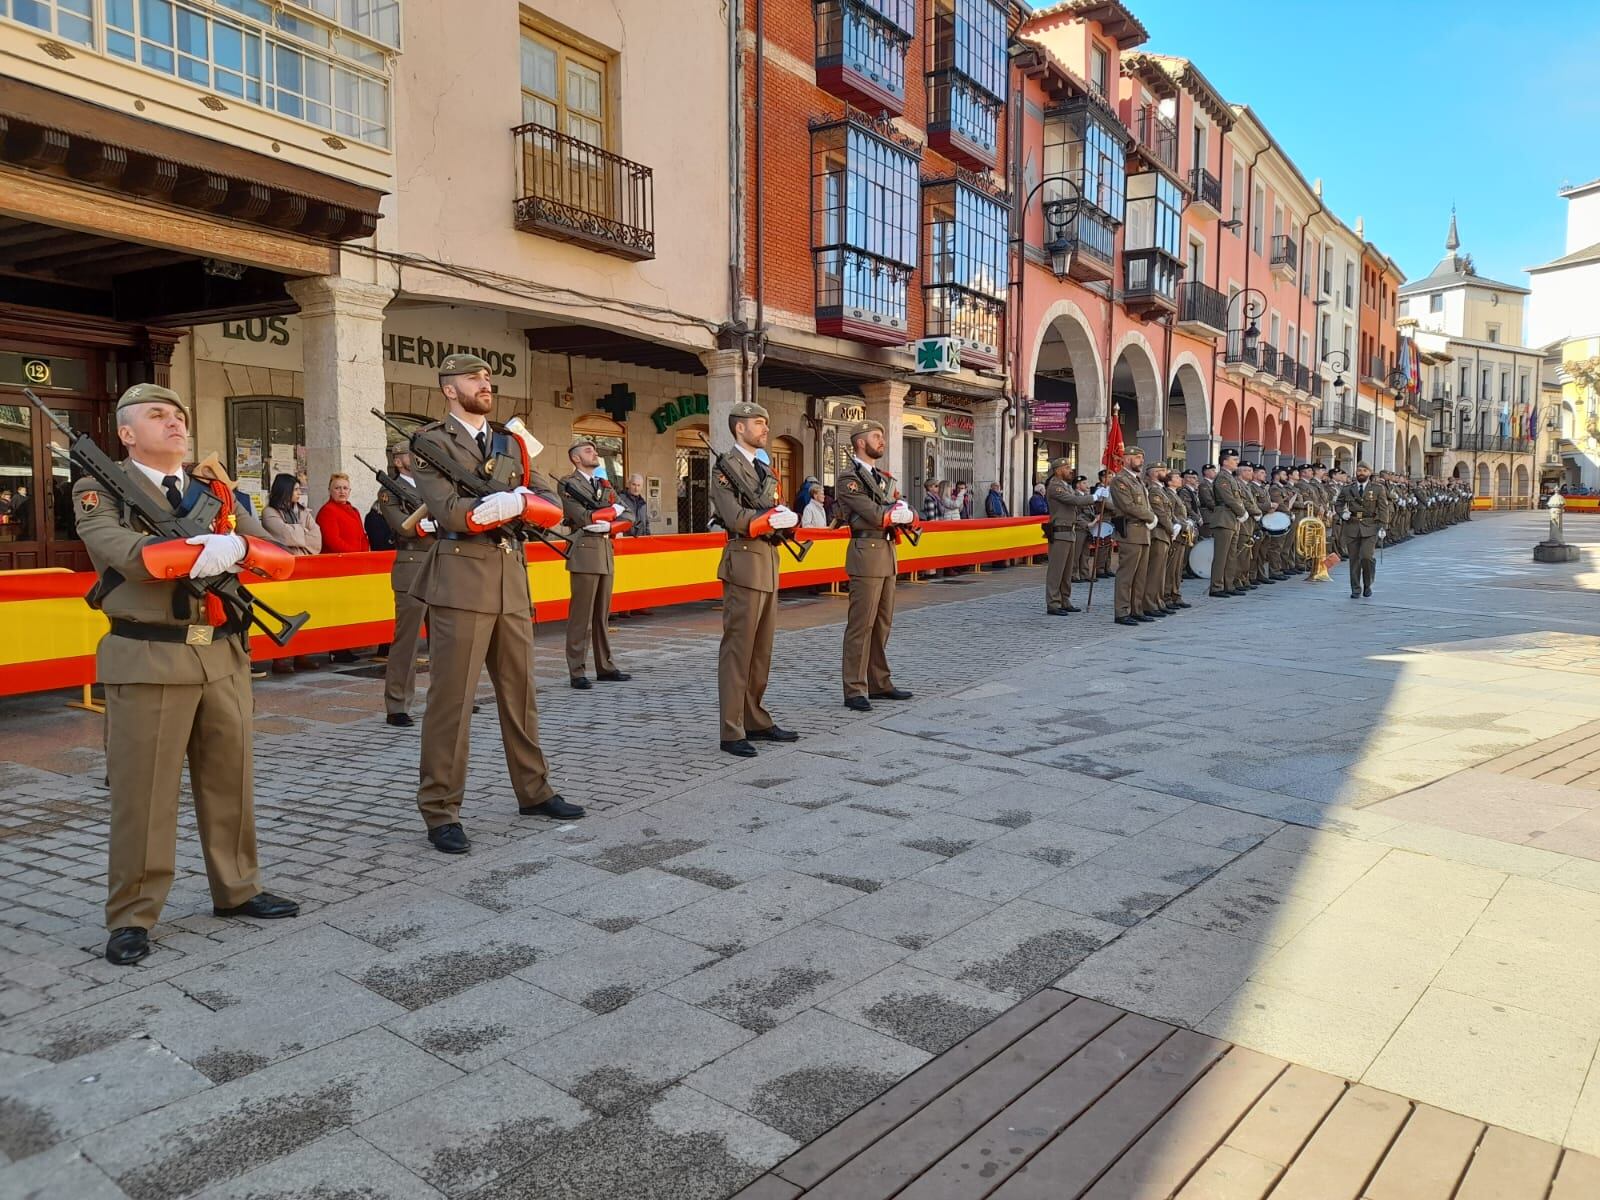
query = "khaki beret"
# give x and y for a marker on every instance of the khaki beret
(462, 364)
(747, 408)
(151, 393)
(861, 428)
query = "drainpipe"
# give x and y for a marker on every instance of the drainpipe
(1245, 231)
(757, 337)
(736, 160)
(1019, 257)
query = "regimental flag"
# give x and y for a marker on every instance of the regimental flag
(1112, 459)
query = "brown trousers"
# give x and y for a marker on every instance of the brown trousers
(866, 635)
(586, 617)
(1222, 558)
(744, 659)
(400, 676)
(1153, 598)
(1363, 559)
(1064, 556)
(461, 645)
(1130, 578)
(1176, 559)
(150, 729)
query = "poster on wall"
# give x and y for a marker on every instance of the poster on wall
(247, 462)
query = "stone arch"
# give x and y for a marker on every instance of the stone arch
(1230, 428)
(1286, 441)
(1462, 471)
(1522, 482)
(1300, 440)
(1251, 432)
(1269, 438)
(1134, 350)
(1502, 482)
(1414, 463)
(1322, 453)
(1191, 380)
(1480, 485)
(1066, 338)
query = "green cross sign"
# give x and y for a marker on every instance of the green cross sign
(617, 403)
(930, 354)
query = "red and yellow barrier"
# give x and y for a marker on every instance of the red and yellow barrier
(48, 634)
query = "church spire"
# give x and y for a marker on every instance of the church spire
(1453, 242)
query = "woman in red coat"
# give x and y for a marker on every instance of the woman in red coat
(343, 532)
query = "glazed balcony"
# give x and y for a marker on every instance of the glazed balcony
(1207, 191)
(1202, 310)
(1092, 239)
(861, 51)
(1150, 282)
(1285, 258)
(963, 121)
(574, 192)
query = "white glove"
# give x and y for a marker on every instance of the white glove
(783, 518)
(1382, 533)
(1344, 515)
(901, 515)
(428, 525)
(220, 553)
(1244, 520)
(1101, 493)
(1151, 523)
(1176, 529)
(498, 508)
(598, 527)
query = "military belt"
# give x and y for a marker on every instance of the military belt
(868, 534)
(487, 538)
(188, 635)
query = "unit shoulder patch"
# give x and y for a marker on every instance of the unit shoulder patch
(852, 485)
(88, 501)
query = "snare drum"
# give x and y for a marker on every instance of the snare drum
(1276, 524)
(1102, 530)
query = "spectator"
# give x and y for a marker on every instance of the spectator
(813, 511)
(932, 501)
(340, 521)
(288, 522)
(379, 535)
(994, 504)
(22, 513)
(638, 506)
(1038, 506)
(951, 496)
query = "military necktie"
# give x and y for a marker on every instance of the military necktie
(169, 484)
(877, 476)
(483, 442)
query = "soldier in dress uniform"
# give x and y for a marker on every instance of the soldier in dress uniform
(475, 584)
(589, 505)
(873, 510)
(745, 494)
(1152, 603)
(1134, 519)
(1181, 497)
(176, 671)
(1067, 529)
(410, 549)
(1229, 517)
(1364, 513)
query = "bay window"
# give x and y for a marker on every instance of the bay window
(967, 79)
(861, 51)
(1087, 146)
(964, 266)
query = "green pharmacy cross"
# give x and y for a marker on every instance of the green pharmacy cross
(617, 403)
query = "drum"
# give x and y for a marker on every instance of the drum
(1102, 530)
(1200, 557)
(1276, 524)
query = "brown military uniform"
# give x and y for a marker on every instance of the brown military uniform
(1369, 509)
(410, 550)
(870, 563)
(1133, 539)
(749, 573)
(167, 702)
(1153, 599)
(1178, 556)
(1071, 515)
(591, 566)
(1226, 529)
(480, 614)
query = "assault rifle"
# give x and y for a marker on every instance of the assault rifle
(161, 522)
(778, 537)
(409, 498)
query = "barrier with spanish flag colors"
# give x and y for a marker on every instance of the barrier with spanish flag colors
(48, 634)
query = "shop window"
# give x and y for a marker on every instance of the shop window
(267, 437)
(864, 229)
(611, 439)
(964, 265)
(861, 50)
(966, 79)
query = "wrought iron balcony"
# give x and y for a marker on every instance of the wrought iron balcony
(1285, 256)
(963, 121)
(1342, 416)
(575, 192)
(1093, 241)
(1493, 443)
(1269, 359)
(1150, 281)
(1157, 136)
(1303, 378)
(1240, 358)
(1288, 369)
(1207, 189)
(1202, 310)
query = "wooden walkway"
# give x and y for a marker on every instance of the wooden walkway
(1065, 1097)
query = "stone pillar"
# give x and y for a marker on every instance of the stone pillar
(1198, 452)
(989, 445)
(724, 389)
(885, 402)
(341, 324)
(1154, 444)
(1269, 459)
(1091, 448)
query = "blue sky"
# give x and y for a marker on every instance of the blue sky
(1487, 105)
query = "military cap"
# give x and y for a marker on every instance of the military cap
(862, 428)
(462, 364)
(1209, 467)
(1367, 465)
(1229, 452)
(151, 393)
(745, 409)
(399, 445)
(1191, 471)
(582, 440)
(1057, 463)
(1130, 451)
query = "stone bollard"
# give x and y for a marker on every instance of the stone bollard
(1554, 548)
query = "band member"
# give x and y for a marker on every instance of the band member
(590, 506)
(176, 671)
(1184, 502)
(410, 549)
(1134, 521)
(1098, 549)
(1364, 514)
(475, 584)
(745, 494)
(1244, 547)
(873, 509)
(1229, 517)
(1152, 602)
(1071, 515)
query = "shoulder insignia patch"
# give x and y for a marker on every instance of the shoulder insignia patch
(88, 501)
(722, 480)
(851, 485)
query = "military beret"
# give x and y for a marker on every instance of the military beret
(399, 446)
(746, 409)
(582, 440)
(151, 393)
(462, 364)
(1367, 465)
(862, 428)
(1209, 467)
(1080, 479)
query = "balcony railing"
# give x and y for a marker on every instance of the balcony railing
(963, 122)
(1269, 359)
(575, 192)
(1493, 442)
(1441, 439)
(1285, 254)
(1303, 377)
(1238, 354)
(1288, 369)
(1203, 306)
(1150, 278)
(1343, 415)
(1157, 136)
(1207, 189)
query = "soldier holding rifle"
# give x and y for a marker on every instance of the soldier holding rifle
(479, 483)
(592, 511)
(400, 503)
(1071, 516)
(875, 514)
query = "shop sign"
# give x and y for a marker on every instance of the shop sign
(36, 371)
(844, 411)
(427, 352)
(956, 426)
(937, 356)
(673, 411)
(1052, 415)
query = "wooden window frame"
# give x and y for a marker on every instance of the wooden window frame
(567, 44)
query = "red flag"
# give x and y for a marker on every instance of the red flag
(1112, 459)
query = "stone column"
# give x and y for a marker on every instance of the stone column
(989, 445)
(1154, 444)
(1091, 448)
(724, 389)
(341, 324)
(885, 402)
(1198, 452)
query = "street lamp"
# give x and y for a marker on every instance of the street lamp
(1252, 303)
(1060, 217)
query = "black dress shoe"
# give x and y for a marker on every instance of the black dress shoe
(1366, 591)
(555, 808)
(613, 676)
(1182, 604)
(891, 694)
(739, 748)
(1071, 608)
(1127, 621)
(773, 733)
(581, 682)
(1144, 618)
(264, 906)
(400, 719)
(449, 839)
(1221, 594)
(342, 657)
(127, 946)
(1355, 595)
(1055, 612)
(856, 704)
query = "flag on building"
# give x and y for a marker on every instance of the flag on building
(1112, 459)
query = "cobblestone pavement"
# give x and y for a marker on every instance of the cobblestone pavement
(1204, 821)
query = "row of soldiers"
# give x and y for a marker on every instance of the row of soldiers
(1241, 521)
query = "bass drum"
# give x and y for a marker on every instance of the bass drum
(1200, 557)
(1276, 524)
(1103, 530)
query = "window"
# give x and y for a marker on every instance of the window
(1494, 333)
(964, 263)
(1436, 302)
(1155, 207)
(70, 20)
(375, 19)
(563, 89)
(1238, 197)
(294, 65)
(1349, 284)
(863, 43)
(1291, 341)
(1486, 383)
(864, 228)
(1099, 69)
(967, 81)
(1259, 218)
(1466, 383)
(1309, 273)
(1277, 221)
(1197, 151)
(1081, 143)
(1327, 340)
(1505, 387)
(1522, 387)
(1327, 269)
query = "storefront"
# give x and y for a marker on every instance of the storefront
(954, 450)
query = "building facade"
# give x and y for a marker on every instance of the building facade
(1564, 318)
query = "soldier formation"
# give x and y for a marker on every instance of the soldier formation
(463, 497)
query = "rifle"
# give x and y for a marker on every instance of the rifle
(410, 499)
(588, 505)
(161, 522)
(475, 486)
(778, 537)
(913, 535)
